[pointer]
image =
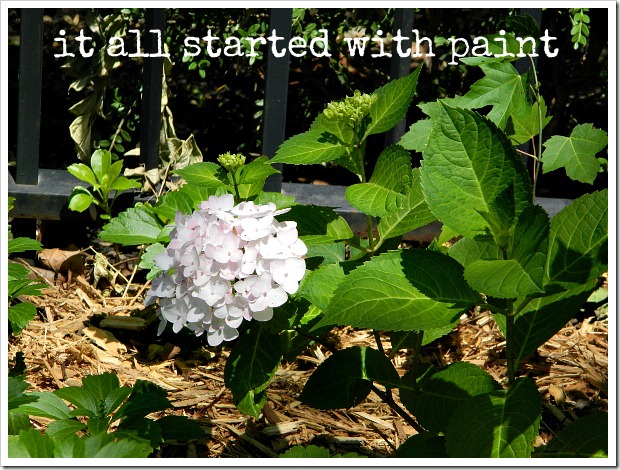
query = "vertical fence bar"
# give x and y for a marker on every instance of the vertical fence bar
(150, 118)
(276, 93)
(400, 66)
(29, 114)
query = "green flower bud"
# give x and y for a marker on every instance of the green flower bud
(352, 110)
(231, 161)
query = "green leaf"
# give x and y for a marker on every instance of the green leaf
(20, 315)
(252, 362)
(83, 172)
(170, 203)
(410, 290)
(495, 47)
(148, 259)
(23, 287)
(384, 192)
(578, 242)
(521, 274)
(523, 25)
(393, 100)
(282, 201)
(251, 177)
(31, 443)
(524, 126)
(17, 271)
(544, 317)
(135, 226)
(80, 199)
(16, 397)
(318, 225)
(404, 339)
(64, 428)
(340, 130)
(409, 389)
(310, 452)
(577, 153)
(498, 424)
(447, 390)
(425, 445)
(19, 244)
(502, 88)
(100, 162)
(140, 404)
(373, 199)
(101, 446)
(413, 212)
(17, 422)
(121, 183)
(467, 164)
(85, 402)
(586, 437)
(252, 403)
(468, 250)
(416, 137)
(47, 405)
(205, 174)
(344, 379)
(318, 286)
(180, 428)
(309, 148)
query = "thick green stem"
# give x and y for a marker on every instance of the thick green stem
(235, 186)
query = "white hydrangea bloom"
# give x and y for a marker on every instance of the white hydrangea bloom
(226, 264)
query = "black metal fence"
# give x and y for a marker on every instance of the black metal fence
(42, 193)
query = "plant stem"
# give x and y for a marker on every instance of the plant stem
(236, 186)
(536, 90)
(510, 356)
(378, 341)
(388, 399)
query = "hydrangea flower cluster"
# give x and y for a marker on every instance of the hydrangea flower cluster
(226, 263)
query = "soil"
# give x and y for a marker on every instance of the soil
(86, 328)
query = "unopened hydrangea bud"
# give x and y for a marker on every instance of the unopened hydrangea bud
(231, 161)
(225, 264)
(352, 110)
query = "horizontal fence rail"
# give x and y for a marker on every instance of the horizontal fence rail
(43, 193)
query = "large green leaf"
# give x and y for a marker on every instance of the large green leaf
(47, 405)
(101, 446)
(86, 404)
(30, 443)
(205, 174)
(251, 177)
(310, 147)
(498, 424)
(586, 437)
(401, 290)
(416, 137)
(577, 153)
(578, 242)
(468, 250)
(344, 379)
(445, 391)
(425, 445)
(522, 272)
(253, 362)
(318, 225)
(135, 226)
(543, 317)
(384, 192)
(17, 422)
(502, 88)
(341, 130)
(393, 100)
(319, 285)
(63, 428)
(412, 214)
(468, 162)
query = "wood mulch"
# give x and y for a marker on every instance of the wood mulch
(79, 331)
